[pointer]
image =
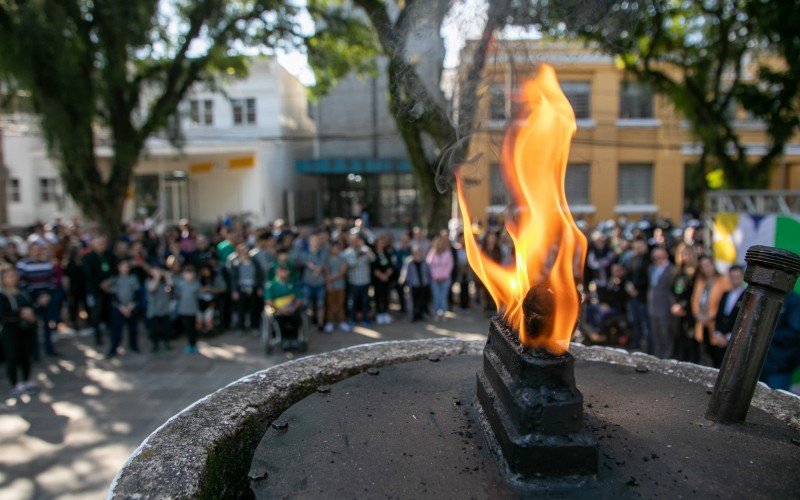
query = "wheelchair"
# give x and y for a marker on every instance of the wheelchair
(272, 338)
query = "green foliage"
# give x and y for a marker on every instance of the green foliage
(341, 43)
(123, 67)
(712, 59)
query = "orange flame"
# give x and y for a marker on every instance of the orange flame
(549, 247)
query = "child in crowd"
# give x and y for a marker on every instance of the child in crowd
(416, 275)
(335, 271)
(125, 289)
(187, 294)
(159, 288)
(211, 286)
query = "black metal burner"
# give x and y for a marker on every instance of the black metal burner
(534, 409)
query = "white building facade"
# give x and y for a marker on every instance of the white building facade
(237, 157)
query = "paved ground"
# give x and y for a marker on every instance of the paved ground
(69, 440)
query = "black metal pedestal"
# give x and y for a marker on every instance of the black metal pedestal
(534, 408)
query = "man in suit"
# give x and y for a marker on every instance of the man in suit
(729, 305)
(638, 267)
(659, 304)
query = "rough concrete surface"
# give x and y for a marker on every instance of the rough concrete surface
(412, 431)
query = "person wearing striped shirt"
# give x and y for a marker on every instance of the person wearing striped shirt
(38, 278)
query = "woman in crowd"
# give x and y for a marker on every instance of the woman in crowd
(709, 286)
(382, 277)
(682, 287)
(440, 262)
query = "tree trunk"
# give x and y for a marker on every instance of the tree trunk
(110, 218)
(101, 201)
(439, 211)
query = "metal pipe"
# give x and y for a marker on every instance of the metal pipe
(771, 274)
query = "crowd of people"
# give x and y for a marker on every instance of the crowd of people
(644, 288)
(658, 290)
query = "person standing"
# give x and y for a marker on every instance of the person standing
(187, 295)
(598, 260)
(709, 286)
(729, 305)
(335, 272)
(159, 288)
(417, 277)
(401, 253)
(359, 258)
(246, 291)
(264, 255)
(783, 357)
(97, 266)
(124, 291)
(638, 276)
(682, 322)
(659, 304)
(37, 276)
(463, 271)
(382, 276)
(17, 332)
(440, 262)
(76, 282)
(313, 278)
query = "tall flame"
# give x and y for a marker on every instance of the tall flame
(549, 247)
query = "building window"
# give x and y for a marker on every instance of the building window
(244, 111)
(576, 184)
(12, 190)
(499, 191)
(635, 101)
(635, 184)
(47, 189)
(497, 102)
(579, 96)
(202, 112)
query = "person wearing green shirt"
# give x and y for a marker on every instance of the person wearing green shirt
(225, 247)
(282, 296)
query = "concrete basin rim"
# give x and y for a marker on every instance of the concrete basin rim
(476, 345)
(781, 404)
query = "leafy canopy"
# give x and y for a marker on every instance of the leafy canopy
(123, 67)
(713, 59)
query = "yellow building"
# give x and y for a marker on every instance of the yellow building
(631, 149)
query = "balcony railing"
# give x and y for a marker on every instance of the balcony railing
(783, 202)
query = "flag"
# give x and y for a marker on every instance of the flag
(734, 233)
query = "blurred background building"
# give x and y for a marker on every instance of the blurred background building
(237, 150)
(631, 151)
